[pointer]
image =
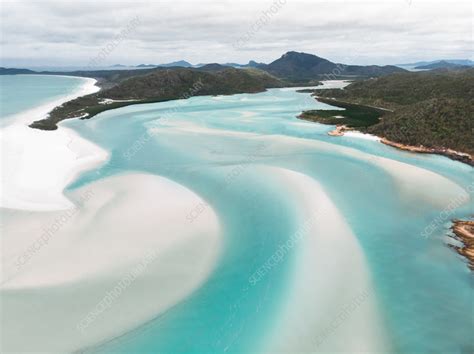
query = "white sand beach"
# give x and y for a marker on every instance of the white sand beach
(37, 165)
(356, 134)
(330, 84)
(326, 84)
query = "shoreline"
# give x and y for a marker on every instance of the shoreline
(38, 165)
(452, 154)
(42, 111)
(339, 130)
(342, 129)
(464, 232)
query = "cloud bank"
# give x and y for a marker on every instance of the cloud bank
(74, 32)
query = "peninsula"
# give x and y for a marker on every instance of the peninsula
(161, 84)
(425, 112)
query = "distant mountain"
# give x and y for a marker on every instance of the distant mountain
(14, 71)
(250, 64)
(254, 64)
(443, 64)
(146, 66)
(234, 65)
(304, 67)
(185, 64)
(118, 66)
(226, 65)
(213, 67)
(466, 62)
(181, 63)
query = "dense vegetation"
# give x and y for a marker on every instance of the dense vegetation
(401, 89)
(434, 123)
(432, 109)
(169, 84)
(354, 115)
(162, 85)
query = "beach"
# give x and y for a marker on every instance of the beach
(38, 165)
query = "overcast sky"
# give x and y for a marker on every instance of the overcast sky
(103, 32)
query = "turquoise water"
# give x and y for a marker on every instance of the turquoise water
(19, 93)
(424, 290)
(423, 287)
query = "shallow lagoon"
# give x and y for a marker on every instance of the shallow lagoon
(422, 287)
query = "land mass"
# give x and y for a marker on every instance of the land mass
(427, 112)
(160, 85)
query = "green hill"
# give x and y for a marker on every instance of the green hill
(431, 109)
(434, 123)
(161, 85)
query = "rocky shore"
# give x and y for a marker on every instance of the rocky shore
(339, 131)
(464, 231)
(452, 154)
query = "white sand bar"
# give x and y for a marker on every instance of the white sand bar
(330, 305)
(119, 260)
(412, 182)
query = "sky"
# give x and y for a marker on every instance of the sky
(105, 32)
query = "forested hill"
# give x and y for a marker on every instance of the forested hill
(433, 109)
(162, 85)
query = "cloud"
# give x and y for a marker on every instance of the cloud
(73, 32)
